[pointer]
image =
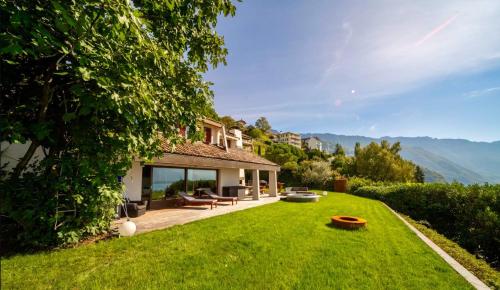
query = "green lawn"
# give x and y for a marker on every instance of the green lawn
(277, 246)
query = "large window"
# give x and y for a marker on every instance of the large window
(167, 182)
(201, 178)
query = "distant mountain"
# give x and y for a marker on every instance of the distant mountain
(447, 168)
(455, 159)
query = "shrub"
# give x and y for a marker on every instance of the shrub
(468, 215)
(315, 174)
(356, 182)
(289, 177)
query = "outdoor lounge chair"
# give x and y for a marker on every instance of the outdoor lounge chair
(135, 208)
(189, 200)
(212, 195)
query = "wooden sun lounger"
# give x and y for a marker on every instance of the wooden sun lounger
(217, 197)
(189, 200)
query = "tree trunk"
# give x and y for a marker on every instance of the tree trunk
(44, 105)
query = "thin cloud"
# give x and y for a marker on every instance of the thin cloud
(348, 32)
(480, 93)
(382, 61)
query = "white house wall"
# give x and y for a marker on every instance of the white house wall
(133, 181)
(11, 153)
(242, 176)
(228, 177)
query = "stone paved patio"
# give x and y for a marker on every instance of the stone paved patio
(164, 218)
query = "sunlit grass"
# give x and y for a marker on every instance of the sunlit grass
(277, 246)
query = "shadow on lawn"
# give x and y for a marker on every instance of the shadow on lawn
(330, 225)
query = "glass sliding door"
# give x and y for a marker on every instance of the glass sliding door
(201, 178)
(167, 182)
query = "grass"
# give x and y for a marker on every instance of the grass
(478, 267)
(277, 246)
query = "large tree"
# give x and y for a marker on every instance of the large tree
(383, 163)
(93, 83)
(263, 124)
(286, 155)
(341, 163)
(315, 173)
(419, 174)
(228, 121)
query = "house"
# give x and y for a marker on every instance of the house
(288, 138)
(218, 162)
(241, 123)
(236, 139)
(312, 143)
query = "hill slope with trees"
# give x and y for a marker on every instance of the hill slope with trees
(455, 159)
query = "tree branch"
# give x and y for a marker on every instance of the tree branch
(44, 105)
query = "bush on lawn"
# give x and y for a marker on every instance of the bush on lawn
(315, 174)
(356, 182)
(469, 215)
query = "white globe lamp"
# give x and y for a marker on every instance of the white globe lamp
(127, 229)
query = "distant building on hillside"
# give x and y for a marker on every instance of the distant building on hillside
(312, 143)
(289, 138)
(241, 123)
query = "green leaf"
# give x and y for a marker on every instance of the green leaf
(68, 117)
(85, 73)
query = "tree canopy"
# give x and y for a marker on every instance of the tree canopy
(93, 83)
(315, 173)
(228, 121)
(285, 155)
(419, 175)
(383, 163)
(263, 124)
(317, 154)
(339, 150)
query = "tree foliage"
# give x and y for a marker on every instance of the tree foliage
(315, 173)
(93, 83)
(256, 133)
(419, 174)
(339, 150)
(263, 124)
(316, 154)
(285, 155)
(383, 163)
(341, 163)
(228, 121)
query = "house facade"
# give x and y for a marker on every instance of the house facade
(312, 143)
(220, 162)
(289, 138)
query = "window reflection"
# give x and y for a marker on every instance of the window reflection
(167, 182)
(201, 178)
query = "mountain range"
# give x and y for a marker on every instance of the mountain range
(452, 159)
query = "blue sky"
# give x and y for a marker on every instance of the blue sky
(372, 68)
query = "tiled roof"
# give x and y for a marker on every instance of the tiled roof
(212, 151)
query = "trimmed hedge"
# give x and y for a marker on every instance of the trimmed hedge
(468, 215)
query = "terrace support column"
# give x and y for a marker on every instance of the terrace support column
(219, 182)
(273, 183)
(255, 184)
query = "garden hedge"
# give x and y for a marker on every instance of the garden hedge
(468, 215)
